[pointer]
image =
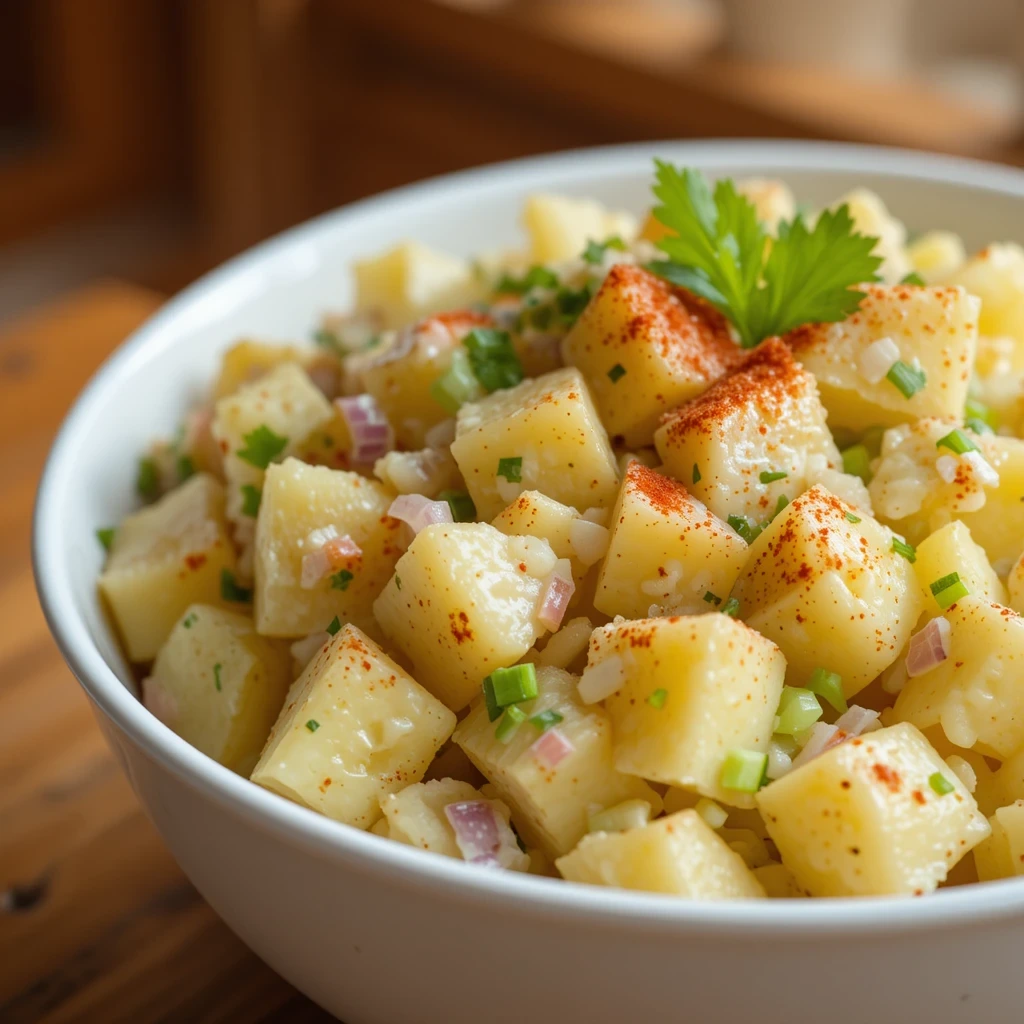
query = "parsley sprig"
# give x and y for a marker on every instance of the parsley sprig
(718, 249)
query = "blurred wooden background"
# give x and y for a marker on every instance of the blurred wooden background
(215, 123)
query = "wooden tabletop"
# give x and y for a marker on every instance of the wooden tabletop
(97, 923)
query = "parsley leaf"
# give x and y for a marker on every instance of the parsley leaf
(251, 498)
(536, 277)
(230, 590)
(262, 446)
(493, 358)
(340, 580)
(594, 252)
(147, 480)
(717, 249)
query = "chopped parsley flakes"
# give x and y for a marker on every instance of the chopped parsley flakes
(262, 446)
(334, 626)
(216, 675)
(147, 480)
(105, 535)
(341, 580)
(594, 252)
(511, 469)
(312, 725)
(230, 590)
(251, 497)
(616, 373)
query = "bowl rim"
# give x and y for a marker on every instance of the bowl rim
(510, 893)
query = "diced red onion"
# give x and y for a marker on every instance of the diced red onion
(420, 512)
(947, 466)
(822, 738)
(877, 359)
(588, 540)
(552, 748)
(856, 720)
(555, 595)
(476, 831)
(401, 345)
(303, 650)
(983, 471)
(929, 647)
(159, 702)
(601, 680)
(371, 432)
(329, 553)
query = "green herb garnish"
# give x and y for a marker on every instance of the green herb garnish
(513, 685)
(341, 579)
(536, 277)
(493, 358)
(798, 710)
(511, 469)
(185, 467)
(545, 720)
(616, 373)
(312, 725)
(147, 480)
(334, 626)
(828, 686)
(216, 675)
(457, 385)
(901, 547)
(189, 621)
(658, 698)
(461, 504)
(957, 442)
(745, 528)
(907, 379)
(851, 518)
(744, 770)
(940, 784)
(696, 473)
(230, 590)
(857, 462)
(262, 446)
(251, 498)
(913, 278)
(768, 477)
(948, 590)
(105, 535)
(712, 598)
(511, 719)
(594, 252)
(731, 607)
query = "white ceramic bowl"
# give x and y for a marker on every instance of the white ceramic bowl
(379, 933)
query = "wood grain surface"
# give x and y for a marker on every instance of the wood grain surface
(97, 923)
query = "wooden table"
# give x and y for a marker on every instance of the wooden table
(97, 923)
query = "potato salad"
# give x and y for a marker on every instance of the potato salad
(678, 552)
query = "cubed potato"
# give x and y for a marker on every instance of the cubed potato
(1002, 854)
(551, 805)
(560, 227)
(866, 819)
(937, 327)
(1015, 586)
(871, 218)
(551, 426)
(975, 694)
(908, 493)
(355, 727)
(717, 683)
(164, 558)
(411, 281)
(773, 200)
(401, 380)
(824, 583)
(937, 255)
(533, 514)
(951, 548)
(645, 347)
(299, 500)
(763, 420)
(463, 601)
(666, 549)
(219, 685)
(996, 276)
(678, 855)
(249, 360)
(416, 817)
(778, 882)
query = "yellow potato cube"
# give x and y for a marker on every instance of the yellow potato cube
(773, 200)
(950, 549)
(937, 255)
(301, 504)
(164, 558)
(666, 549)
(533, 514)
(880, 814)
(678, 855)
(551, 803)
(936, 327)
(463, 601)
(778, 882)
(975, 694)
(691, 689)
(645, 347)
(219, 685)
(247, 361)
(871, 218)
(1015, 586)
(355, 727)
(1002, 854)
(996, 276)
(752, 438)
(542, 435)
(561, 226)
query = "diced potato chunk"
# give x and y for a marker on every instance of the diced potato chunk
(550, 424)
(644, 347)
(163, 559)
(1015, 586)
(908, 493)
(219, 685)
(778, 882)
(763, 420)
(678, 855)
(401, 384)
(561, 226)
(533, 514)
(666, 549)
(463, 601)
(937, 255)
(416, 817)
(411, 281)
(996, 276)
(863, 819)
(871, 218)
(355, 727)
(299, 500)
(937, 327)
(824, 583)
(551, 805)
(773, 200)
(949, 549)
(1002, 854)
(248, 360)
(717, 683)
(975, 694)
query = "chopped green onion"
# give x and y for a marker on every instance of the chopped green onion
(948, 590)
(780, 506)
(312, 725)
(262, 446)
(979, 427)
(829, 686)
(658, 698)
(712, 598)
(857, 462)
(901, 547)
(216, 675)
(616, 373)
(147, 481)
(511, 469)
(798, 710)
(105, 535)
(852, 518)
(514, 685)
(493, 711)
(731, 607)
(620, 818)
(973, 409)
(696, 473)
(493, 358)
(185, 467)
(957, 442)
(745, 528)
(251, 498)
(230, 590)
(334, 626)
(536, 277)
(594, 252)
(872, 439)
(743, 770)
(190, 620)
(770, 477)
(457, 385)
(461, 504)
(940, 783)
(570, 303)
(327, 339)
(908, 380)
(545, 719)
(340, 580)
(912, 278)
(398, 582)
(510, 722)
